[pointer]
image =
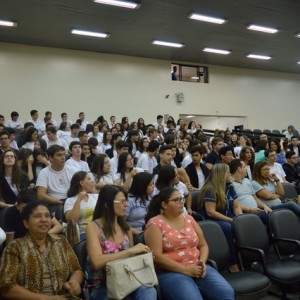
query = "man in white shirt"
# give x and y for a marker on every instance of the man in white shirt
(38, 124)
(275, 167)
(53, 181)
(52, 138)
(64, 118)
(75, 159)
(74, 134)
(14, 123)
(83, 121)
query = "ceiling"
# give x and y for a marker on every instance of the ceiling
(48, 23)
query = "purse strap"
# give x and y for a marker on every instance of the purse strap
(146, 263)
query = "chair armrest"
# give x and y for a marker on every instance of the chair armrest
(212, 263)
(284, 240)
(260, 252)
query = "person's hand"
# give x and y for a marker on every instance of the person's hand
(139, 248)
(83, 196)
(273, 176)
(189, 186)
(42, 159)
(256, 210)
(194, 271)
(73, 287)
(190, 211)
(203, 266)
(133, 172)
(267, 209)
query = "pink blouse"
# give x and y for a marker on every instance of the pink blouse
(179, 245)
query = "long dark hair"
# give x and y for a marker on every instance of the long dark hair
(18, 175)
(122, 165)
(165, 175)
(75, 183)
(105, 210)
(155, 207)
(97, 165)
(139, 186)
(29, 133)
(23, 156)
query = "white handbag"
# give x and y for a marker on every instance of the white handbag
(124, 276)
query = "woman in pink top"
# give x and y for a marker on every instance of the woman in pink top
(180, 252)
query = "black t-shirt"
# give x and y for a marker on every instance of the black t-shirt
(213, 158)
(13, 222)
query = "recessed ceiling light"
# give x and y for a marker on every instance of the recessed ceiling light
(259, 56)
(262, 29)
(298, 62)
(8, 23)
(126, 4)
(207, 19)
(168, 44)
(297, 35)
(90, 33)
(217, 51)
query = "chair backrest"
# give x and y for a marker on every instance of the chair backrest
(195, 196)
(290, 192)
(249, 231)
(59, 214)
(139, 238)
(276, 131)
(2, 214)
(266, 131)
(218, 247)
(285, 224)
(81, 253)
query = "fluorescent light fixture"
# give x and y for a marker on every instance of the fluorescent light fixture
(119, 3)
(264, 57)
(90, 33)
(262, 29)
(167, 44)
(195, 78)
(207, 19)
(298, 62)
(297, 35)
(217, 51)
(8, 23)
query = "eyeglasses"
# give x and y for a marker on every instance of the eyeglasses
(9, 156)
(178, 200)
(124, 201)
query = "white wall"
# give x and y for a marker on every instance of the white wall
(73, 81)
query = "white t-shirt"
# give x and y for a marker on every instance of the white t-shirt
(114, 165)
(186, 161)
(147, 163)
(118, 175)
(57, 183)
(86, 209)
(70, 139)
(79, 165)
(39, 125)
(29, 145)
(14, 124)
(59, 142)
(2, 236)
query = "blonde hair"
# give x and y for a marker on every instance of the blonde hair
(216, 184)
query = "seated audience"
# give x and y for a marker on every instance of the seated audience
(181, 258)
(12, 179)
(268, 188)
(53, 181)
(39, 265)
(139, 197)
(109, 238)
(218, 202)
(80, 204)
(13, 224)
(196, 170)
(75, 159)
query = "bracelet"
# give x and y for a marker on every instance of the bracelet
(276, 180)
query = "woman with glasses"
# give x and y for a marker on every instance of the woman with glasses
(180, 252)
(109, 237)
(268, 188)
(12, 179)
(218, 202)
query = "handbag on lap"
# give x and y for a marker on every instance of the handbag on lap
(124, 276)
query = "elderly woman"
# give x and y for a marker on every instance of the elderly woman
(180, 252)
(40, 265)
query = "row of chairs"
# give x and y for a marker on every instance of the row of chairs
(253, 248)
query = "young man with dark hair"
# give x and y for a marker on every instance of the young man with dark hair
(275, 167)
(214, 156)
(53, 181)
(196, 170)
(294, 146)
(226, 155)
(132, 140)
(84, 122)
(38, 124)
(22, 136)
(73, 135)
(14, 122)
(290, 169)
(112, 152)
(5, 142)
(75, 159)
(52, 138)
(165, 158)
(121, 147)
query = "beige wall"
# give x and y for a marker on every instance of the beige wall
(72, 81)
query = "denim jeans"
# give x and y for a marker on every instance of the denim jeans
(142, 293)
(177, 286)
(294, 207)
